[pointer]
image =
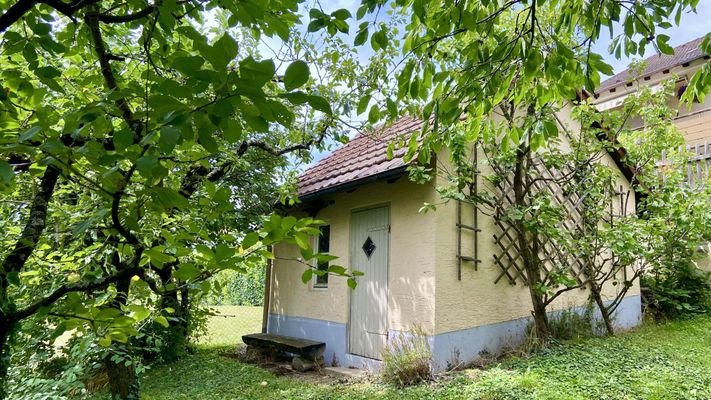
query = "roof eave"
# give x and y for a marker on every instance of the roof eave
(385, 175)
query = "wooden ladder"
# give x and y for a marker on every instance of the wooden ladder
(474, 228)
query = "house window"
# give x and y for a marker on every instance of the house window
(323, 246)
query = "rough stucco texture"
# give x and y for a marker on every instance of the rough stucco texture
(476, 300)
(423, 286)
(411, 275)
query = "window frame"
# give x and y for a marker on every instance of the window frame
(322, 245)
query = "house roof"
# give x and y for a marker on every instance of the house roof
(684, 53)
(364, 159)
(361, 160)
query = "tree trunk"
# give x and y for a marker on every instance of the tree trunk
(175, 336)
(604, 311)
(5, 331)
(529, 250)
(540, 317)
(123, 382)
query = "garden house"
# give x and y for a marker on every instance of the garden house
(451, 274)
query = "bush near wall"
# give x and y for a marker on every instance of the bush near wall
(674, 292)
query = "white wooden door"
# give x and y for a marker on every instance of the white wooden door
(370, 231)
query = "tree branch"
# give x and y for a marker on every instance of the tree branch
(261, 144)
(120, 19)
(92, 21)
(36, 223)
(20, 8)
(74, 287)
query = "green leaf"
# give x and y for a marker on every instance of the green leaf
(352, 283)
(234, 131)
(361, 37)
(302, 240)
(362, 10)
(297, 74)
(469, 21)
(139, 313)
(162, 321)
(222, 52)
(188, 66)
(169, 136)
(105, 341)
(223, 252)
(158, 257)
(663, 45)
(186, 272)
(6, 173)
(320, 103)
(298, 97)
(392, 107)
(374, 114)
(379, 40)
(207, 141)
(147, 164)
(363, 104)
(316, 24)
(169, 198)
(107, 314)
(307, 275)
(250, 240)
(47, 72)
(29, 134)
(258, 72)
(336, 269)
(122, 139)
(341, 14)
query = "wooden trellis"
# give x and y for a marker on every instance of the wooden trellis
(508, 258)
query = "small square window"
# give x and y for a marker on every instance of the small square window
(323, 246)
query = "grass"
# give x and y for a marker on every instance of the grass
(231, 322)
(670, 361)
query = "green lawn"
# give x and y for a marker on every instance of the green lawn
(671, 361)
(231, 322)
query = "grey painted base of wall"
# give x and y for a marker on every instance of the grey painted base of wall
(448, 349)
(463, 346)
(334, 334)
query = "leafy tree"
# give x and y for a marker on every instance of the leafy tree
(513, 60)
(125, 134)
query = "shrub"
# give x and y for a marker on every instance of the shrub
(406, 359)
(569, 324)
(673, 292)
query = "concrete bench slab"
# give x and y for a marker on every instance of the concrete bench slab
(308, 349)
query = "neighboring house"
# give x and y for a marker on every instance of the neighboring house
(416, 274)
(694, 121)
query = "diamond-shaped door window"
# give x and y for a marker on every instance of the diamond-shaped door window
(368, 247)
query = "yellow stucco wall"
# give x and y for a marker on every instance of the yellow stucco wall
(423, 285)
(411, 277)
(476, 300)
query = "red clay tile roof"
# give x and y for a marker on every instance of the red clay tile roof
(684, 53)
(362, 158)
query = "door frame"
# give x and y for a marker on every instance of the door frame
(387, 274)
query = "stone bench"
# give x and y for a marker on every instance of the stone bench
(308, 353)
